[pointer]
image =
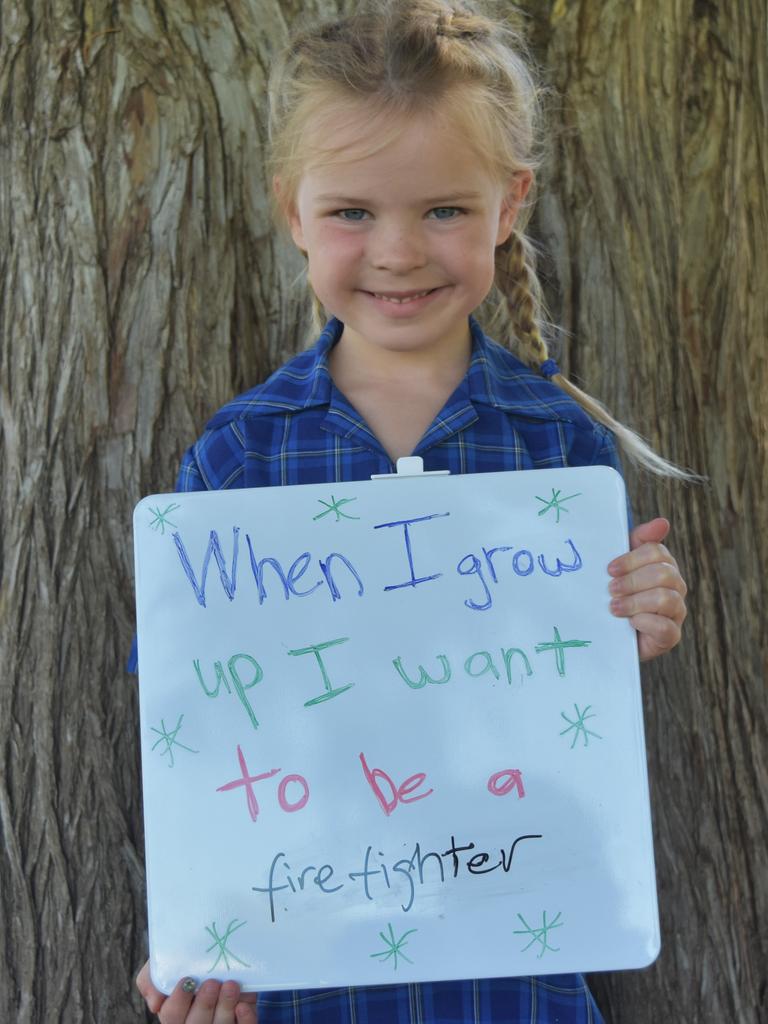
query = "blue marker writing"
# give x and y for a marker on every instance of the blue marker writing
(406, 523)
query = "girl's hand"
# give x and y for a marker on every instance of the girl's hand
(212, 1003)
(647, 589)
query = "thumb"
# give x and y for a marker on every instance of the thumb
(653, 532)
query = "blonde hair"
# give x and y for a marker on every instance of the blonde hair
(400, 58)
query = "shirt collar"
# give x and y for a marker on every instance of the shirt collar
(498, 378)
(495, 377)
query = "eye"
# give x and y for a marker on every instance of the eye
(351, 215)
(446, 212)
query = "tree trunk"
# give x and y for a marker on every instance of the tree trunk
(142, 284)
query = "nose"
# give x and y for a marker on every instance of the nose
(397, 247)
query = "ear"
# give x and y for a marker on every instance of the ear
(290, 212)
(517, 190)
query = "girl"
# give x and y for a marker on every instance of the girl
(402, 145)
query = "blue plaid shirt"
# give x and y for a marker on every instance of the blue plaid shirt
(297, 427)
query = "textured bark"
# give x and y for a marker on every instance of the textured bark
(141, 285)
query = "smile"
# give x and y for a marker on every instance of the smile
(402, 300)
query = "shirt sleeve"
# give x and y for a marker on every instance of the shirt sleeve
(190, 478)
(216, 461)
(606, 452)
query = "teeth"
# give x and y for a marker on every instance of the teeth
(389, 298)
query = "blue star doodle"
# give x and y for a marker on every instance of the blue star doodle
(169, 738)
(578, 726)
(556, 503)
(335, 506)
(394, 946)
(539, 934)
(220, 943)
(161, 520)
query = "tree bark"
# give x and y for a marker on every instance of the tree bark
(142, 284)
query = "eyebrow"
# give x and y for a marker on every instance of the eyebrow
(443, 200)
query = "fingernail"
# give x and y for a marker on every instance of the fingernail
(618, 607)
(188, 985)
(615, 586)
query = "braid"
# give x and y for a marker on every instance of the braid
(520, 289)
(460, 23)
(519, 285)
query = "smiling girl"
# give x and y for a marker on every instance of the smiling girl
(402, 151)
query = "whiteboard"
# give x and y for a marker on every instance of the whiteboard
(391, 732)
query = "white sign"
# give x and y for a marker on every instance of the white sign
(391, 732)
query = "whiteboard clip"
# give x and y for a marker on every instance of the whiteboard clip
(410, 465)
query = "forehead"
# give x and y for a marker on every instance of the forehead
(416, 155)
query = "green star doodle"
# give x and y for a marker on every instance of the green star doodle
(539, 934)
(335, 506)
(220, 943)
(161, 518)
(556, 503)
(578, 726)
(394, 946)
(170, 740)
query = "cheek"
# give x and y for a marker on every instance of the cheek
(332, 251)
(475, 258)
(333, 258)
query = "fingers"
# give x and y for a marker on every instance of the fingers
(212, 1003)
(657, 632)
(663, 603)
(177, 1008)
(667, 605)
(655, 635)
(245, 1012)
(646, 554)
(654, 531)
(152, 996)
(657, 578)
(648, 589)
(654, 588)
(657, 615)
(224, 1008)
(232, 1006)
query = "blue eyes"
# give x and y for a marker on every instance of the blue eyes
(355, 216)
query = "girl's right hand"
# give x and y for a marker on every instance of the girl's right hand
(212, 1003)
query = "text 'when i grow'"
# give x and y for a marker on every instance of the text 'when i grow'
(337, 574)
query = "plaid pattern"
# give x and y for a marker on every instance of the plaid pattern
(556, 999)
(298, 428)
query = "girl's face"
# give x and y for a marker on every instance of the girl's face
(401, 243)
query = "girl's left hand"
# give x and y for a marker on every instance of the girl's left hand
(647, 589)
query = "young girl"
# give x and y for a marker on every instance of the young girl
(402, 141)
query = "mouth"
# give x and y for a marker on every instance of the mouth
(402, 298)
